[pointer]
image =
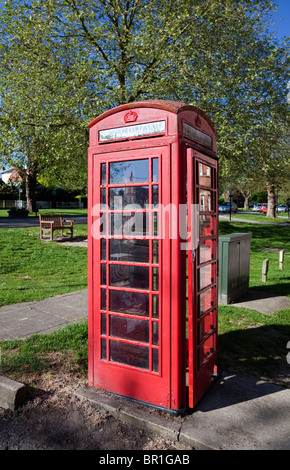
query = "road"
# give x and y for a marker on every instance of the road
(10, 222)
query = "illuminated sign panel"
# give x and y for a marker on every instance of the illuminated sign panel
(129, 132)
(197, 135)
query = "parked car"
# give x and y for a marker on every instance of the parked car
(264, 207)
(226, 206)
(256, 207)
(282, 208)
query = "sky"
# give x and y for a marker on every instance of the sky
(283, 27)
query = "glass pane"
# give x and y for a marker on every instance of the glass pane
(103, 199)
(130, 276)
(155, 280)
(130, 354)
(205, 200)
(155, 227)
(103, 348)
(155, 360)
(135, 303)
(205, 350)
(135, 224)
(103, 248)
(103, 299)
(155, 333)
(206, 300)
(104, 274)
(134, 171)
(129, 328)
(206, 325)
(155, 309)
(206, 276)
(206, 250)
(138, 196)
(207, 225)
(155, 195)
(155, 251)
(129, 250)
(204, 175)
(103, 173)
(155, 169)
(103, 324)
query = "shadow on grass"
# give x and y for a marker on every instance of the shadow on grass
(260, 352)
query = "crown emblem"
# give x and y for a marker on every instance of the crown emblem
(131, 116)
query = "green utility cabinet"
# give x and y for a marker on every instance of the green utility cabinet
(234, 266)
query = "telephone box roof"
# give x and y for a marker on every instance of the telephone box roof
(167, 105)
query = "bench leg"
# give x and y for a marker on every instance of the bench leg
(51, 234)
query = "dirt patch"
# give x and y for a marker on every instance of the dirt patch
(53, 418)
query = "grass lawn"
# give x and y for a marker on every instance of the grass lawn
(31, 269)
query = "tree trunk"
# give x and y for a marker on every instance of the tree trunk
(30, 187)
(246, 201)
(271, 200)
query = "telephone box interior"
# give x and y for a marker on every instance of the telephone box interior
(152, 285)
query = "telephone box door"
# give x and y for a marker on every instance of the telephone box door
(131, 272)
(202, 273)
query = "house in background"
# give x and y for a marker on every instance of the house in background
(11, 176)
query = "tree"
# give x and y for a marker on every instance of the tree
(84, 56)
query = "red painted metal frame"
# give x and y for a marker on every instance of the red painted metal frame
(177, 155)
(201, 374)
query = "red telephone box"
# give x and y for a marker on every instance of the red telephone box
(152, 285)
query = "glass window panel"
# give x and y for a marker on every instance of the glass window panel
(204, 175)
(205, 350)
(134, 171)
(206, 325)
(155, 306)
(155, 279)
(134, 224)
(155, 251)
(129, 197)
(129, 354)
(207, 225)
(155, 227)
(155, 169)
(103, 173)
(136, 303)
(206, 276)
(103, 299)
(103, 348)
(103, 324)
(155, 360)
(104, 274)
(155, 333)
(129, 328)
(206, 300)
(129, 250)
(206, 250)
(205, 200)
(130, 276)
(103, 248)
(103, 199)
(155, 195)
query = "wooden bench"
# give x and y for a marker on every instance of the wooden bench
(54, 222)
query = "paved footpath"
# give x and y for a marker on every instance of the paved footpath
(44, 316)
(237, 413)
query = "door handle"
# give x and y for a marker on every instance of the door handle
(193, 255)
